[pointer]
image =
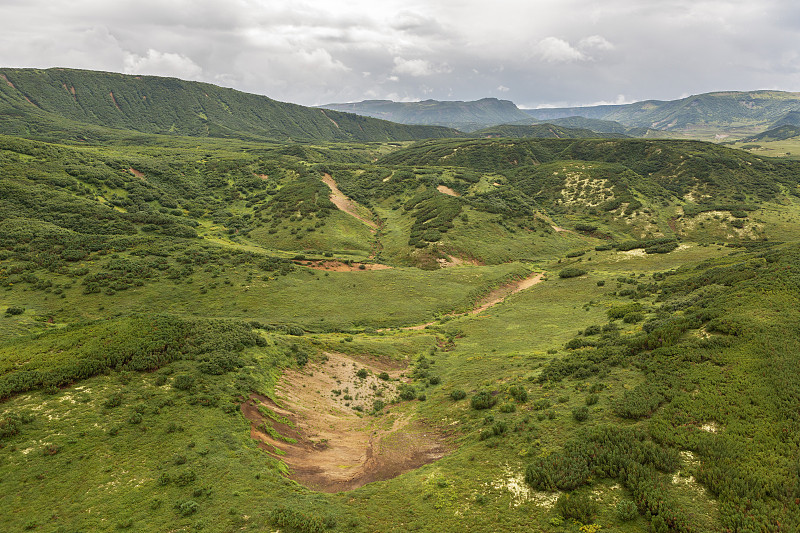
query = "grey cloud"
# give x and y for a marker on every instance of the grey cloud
(534, 53)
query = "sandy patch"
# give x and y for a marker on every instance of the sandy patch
(447, 190)
(344, 203)
(327, 444)
(338, 266)
(710, 427)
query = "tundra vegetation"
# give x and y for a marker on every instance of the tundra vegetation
(167, 297)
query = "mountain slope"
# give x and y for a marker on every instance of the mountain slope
(719, 109)
(466, 116)
(151, 104)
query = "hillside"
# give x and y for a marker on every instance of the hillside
(465, 116)
(35, 102)
(754, 110)
(542, 131)
(778, 133)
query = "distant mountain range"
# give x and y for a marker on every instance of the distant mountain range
(723, 112)
(464, 116)
(76, 104)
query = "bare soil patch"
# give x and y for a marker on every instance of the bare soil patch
(325, 441)
(447, 190)
(344, 203)
(136, 173)
(338, 266)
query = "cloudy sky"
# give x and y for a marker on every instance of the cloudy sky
(533, 52)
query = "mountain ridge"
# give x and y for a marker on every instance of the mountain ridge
(162, 105)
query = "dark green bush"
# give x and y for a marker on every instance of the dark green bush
(458, 394)
(15, 310)
(578, 507)
(626, 510)
(581, 413)
(571, 272)
(183, 382)
(483, 400)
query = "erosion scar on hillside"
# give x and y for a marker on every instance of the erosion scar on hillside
(344, 203)
(322, 430)
(493, 298)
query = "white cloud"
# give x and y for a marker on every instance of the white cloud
(502, 88)
(596, 42)
(555, 50)
(418, 67)
(162, 64)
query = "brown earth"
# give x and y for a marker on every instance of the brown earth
(344, 203)
(338, 266)
(136, 173)
(447, 190)
(336, 448)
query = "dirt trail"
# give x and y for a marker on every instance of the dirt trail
(447, 190)
(329, 446)
(490, 300)
(344, 203)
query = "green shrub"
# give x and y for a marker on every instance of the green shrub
(576, 506)
(362, 373)
(457, 394)
(581, 413)
(434, 380)
(483, 400)
(188, 507)
(626, 510)
(633, 318)
(571, 272)
(592, 399)
(15, 311)
(183, 382)
(519, 393)
(384, 376)
(576, 254)
(407, 392)
(508, 408)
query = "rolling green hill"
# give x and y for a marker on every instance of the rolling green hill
(543, 131)
(778, 133)
(37, 101)
(465, 116)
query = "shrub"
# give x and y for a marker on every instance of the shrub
(633, 318)
(571, 272)
(518, 393)
(15, 310)
(188, 507)
(434, 380)
(115, 400)
(576, 506)
(384, 376)
(585, 227)
(508, 408)
(601, 283)
(592, 399)
(576, 254)
(183, 382)
(458, 394)
(407, 392)
(626, 510)
(362, 373)
(483, 400)
(581, 413)
(185, 478)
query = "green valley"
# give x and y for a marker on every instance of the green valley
(234, 314)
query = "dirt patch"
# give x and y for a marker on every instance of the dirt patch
(338, 266)
(452, 260)
(344, 203)
(136, 173)
(325, 441)
(501, 293)
(447, 190)
(491, 299)
(6, 80)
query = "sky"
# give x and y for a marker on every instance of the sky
(536, 53)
